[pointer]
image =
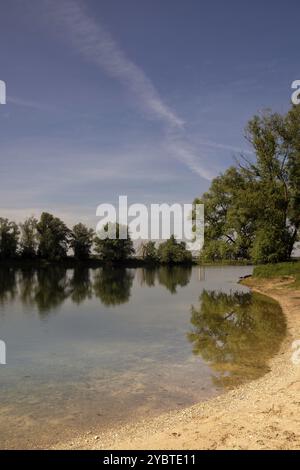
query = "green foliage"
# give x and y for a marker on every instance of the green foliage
(114, 249)
(81, 241)
(29, 241)
(280, 270)
(229, 217)
(53, 237)
(173, 252)
(252, 211)
(270, 246)
(149, 252)
(9, 236)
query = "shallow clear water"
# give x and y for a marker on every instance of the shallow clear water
(89, 349)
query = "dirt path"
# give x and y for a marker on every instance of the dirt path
(264, 414)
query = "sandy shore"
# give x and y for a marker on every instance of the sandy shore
(263, 414)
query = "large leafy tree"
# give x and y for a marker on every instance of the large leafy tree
(148, 252)
(173, 252)
(276, 141)
(229, 217)
(53, 237)
(29, 241)
(9, 236)
(81, 241)
(252, 211)
(114, 249)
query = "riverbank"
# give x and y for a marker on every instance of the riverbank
(263, 414)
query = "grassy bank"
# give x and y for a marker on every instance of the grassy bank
(225, 262)
(279, 270)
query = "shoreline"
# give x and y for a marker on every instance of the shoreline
(261, 414)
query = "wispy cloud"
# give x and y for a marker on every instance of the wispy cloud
(216, 145)
(92, 41)
(29, 104)
(96, 45)
(45, 155)
(186, 155)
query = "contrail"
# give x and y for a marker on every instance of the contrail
(96, 45)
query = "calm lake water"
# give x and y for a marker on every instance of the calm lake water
(88, 349)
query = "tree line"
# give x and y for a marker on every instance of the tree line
(50, 239)
(252, 210)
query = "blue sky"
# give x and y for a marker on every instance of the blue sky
(136, 97)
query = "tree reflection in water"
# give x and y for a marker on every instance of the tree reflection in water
(46, 288)
(236, 334)
(171, 277)
(80, 285)
(113, 285)
(8, 284)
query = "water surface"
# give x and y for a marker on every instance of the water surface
(92, 348)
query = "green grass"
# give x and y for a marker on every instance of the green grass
(225, 263)
(279, 270)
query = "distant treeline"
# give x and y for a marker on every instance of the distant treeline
(50, 239)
